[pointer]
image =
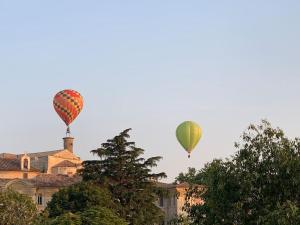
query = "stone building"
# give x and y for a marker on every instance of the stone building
(172, 204)
(41, 174)
(40, 188)
(29, 165)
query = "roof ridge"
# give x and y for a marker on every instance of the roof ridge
(65, 163)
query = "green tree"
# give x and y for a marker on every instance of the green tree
(78, 198)
(101, 216)
(67, 219)
(258, 185)
(180, 220)
(16, 208)
(91, 216)
(189, 177)
(42, 219)
(82, 203)
(286, 213)
(128, 176)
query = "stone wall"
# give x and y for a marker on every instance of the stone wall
(22, 187)
(54, 160)
(17, 174)
(64, 170)
(40, 163)
(46, 193)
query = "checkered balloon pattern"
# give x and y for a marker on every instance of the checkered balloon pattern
(68, 104)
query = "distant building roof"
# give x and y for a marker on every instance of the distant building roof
(11, 164)
(54, 180)
(47, 153)
(45, 180)
(164, 185)
(66, 163)
(35, 154)
(3, 182)
(181, 185)
(8, 155)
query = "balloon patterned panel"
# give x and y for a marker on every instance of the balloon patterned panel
(68, 104)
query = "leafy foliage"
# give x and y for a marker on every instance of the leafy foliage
(77, 198)
(82, 203)
(180, 220)
(92, 216)
(129, 178)
(286, 213)
(101, 216)
(66, 219)
(189, 177)
(258, 185)
(16, 208)
(42, 219)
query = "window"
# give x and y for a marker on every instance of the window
(40, 199)
(161, 201)
(25, 175)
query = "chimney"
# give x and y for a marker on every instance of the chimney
(68, 143)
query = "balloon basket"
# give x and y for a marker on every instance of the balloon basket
(68, 132)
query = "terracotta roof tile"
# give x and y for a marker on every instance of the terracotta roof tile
(55, 180)
(66, 163)
(164, 185)
(8, 164)
(3, 182)
(47, 153)
(8, 155)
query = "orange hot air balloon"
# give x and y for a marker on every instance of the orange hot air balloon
(68, 104)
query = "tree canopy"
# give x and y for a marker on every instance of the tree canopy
(16, 208)
(188, 177)
(82, 203)
(129, 177)
(67, 218)
(258, 185)
(101, 216)
(77, 198)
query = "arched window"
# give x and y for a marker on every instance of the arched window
(25, 164)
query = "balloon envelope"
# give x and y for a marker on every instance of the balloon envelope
(68, 104)
(188, 134)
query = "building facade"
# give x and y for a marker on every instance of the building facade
(41, 174)
(40, 188)
(174, 201)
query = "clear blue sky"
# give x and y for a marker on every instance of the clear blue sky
(148, 65)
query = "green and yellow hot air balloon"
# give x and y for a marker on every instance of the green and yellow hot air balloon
(188, 134)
